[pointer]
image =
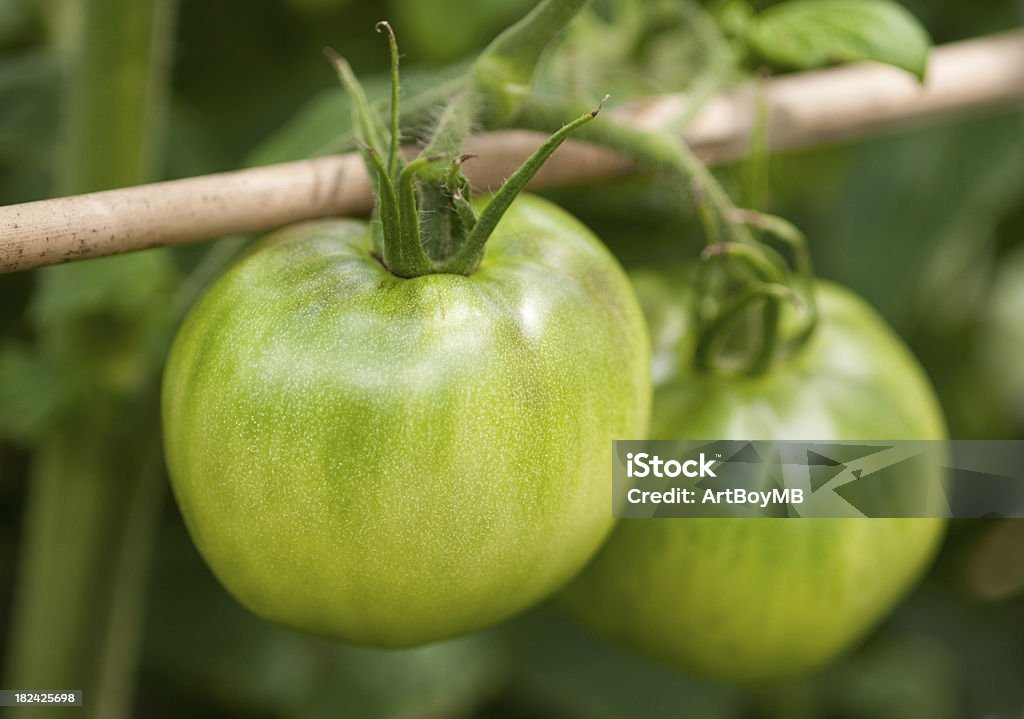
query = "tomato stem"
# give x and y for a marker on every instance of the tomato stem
(760, 263)
(783, 230)
(503, 71)
(714, 333)
(763, 266)
(426, 222)
(803, 272)
(754, 179)
(455, 123)
(405, 256)
(771, 315)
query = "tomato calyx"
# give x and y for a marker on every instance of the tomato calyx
(425, 220)
(754, 303)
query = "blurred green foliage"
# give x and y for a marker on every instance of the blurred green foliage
(927, 224)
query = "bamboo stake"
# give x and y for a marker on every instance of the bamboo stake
(805, 109)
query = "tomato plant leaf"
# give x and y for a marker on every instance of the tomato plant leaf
(805, 34)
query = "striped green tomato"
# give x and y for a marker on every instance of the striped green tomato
(391, 461)
(748, 600)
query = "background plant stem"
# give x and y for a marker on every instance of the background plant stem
(95, 488)
(116, 92)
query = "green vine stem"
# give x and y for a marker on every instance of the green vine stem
(94, 493)
(120, 52)
(657, 151)
(714, 333)
(766, 266)
(749, 274)
(803, 278)
(719, 61)
(504, 70)
(755, 178)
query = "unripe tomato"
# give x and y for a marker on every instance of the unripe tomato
(392, 461)
(744, 600)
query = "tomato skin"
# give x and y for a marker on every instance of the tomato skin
(392, 461)
(748, 600)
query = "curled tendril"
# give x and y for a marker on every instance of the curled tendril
(760, 274)
(713, 333)
(760, 263)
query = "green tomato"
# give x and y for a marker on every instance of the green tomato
(391, 461)
(668, 319)
(747, 600)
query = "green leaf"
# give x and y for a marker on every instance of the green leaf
(805, 34)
